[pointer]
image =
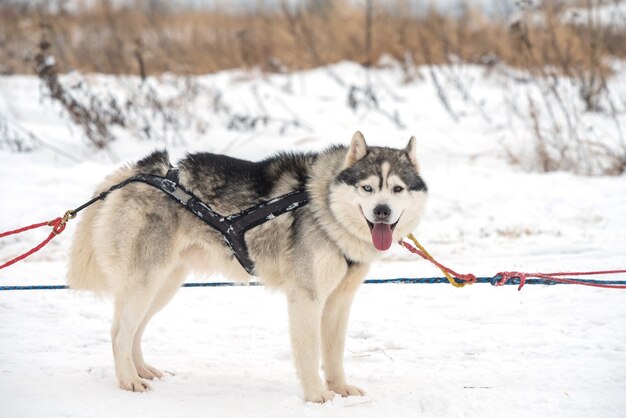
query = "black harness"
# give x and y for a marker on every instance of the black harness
(232, 227)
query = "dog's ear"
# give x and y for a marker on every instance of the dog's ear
(412, 152)
(357, 150)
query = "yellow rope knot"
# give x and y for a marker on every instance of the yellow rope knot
(445, 273)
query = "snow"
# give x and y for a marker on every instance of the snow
(418, 350)
(607, 15)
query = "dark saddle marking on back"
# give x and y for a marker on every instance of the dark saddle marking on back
(232, 227)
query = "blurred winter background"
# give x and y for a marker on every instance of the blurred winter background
(544, 78)
(519, 108)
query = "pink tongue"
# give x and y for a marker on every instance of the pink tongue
(381, 236)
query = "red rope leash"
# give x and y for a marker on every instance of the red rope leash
(502, 278)
(555, 277)
(58, 226)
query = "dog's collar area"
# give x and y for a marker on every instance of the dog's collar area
(232, 227)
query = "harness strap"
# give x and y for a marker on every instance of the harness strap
(173, 174)
(232, 227)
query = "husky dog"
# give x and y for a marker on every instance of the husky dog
(139, 245)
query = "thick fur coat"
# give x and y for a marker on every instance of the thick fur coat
(139, 245)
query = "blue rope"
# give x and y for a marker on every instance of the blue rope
(424, 280)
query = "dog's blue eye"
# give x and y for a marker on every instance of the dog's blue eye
(367, 188)
(398, 189)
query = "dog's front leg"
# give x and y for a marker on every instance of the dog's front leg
(334, 329)
(305, 313)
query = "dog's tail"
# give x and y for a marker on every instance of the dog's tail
(84, 270)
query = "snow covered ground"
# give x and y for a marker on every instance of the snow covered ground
(418, 350)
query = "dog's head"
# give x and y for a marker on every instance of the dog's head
(379, 194)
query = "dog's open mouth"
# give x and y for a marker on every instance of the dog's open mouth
(382, 234)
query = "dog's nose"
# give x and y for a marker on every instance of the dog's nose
(382, 212)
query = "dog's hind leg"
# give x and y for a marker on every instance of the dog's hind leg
(162, 298)
(334, 329)
(130, 310)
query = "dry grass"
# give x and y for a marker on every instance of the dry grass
(150, 39)
(154, 40)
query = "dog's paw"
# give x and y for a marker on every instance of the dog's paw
(135, 385)
(149, 372)
(346, 390)
(319, 397)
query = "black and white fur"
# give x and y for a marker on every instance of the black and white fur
(138, 245)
